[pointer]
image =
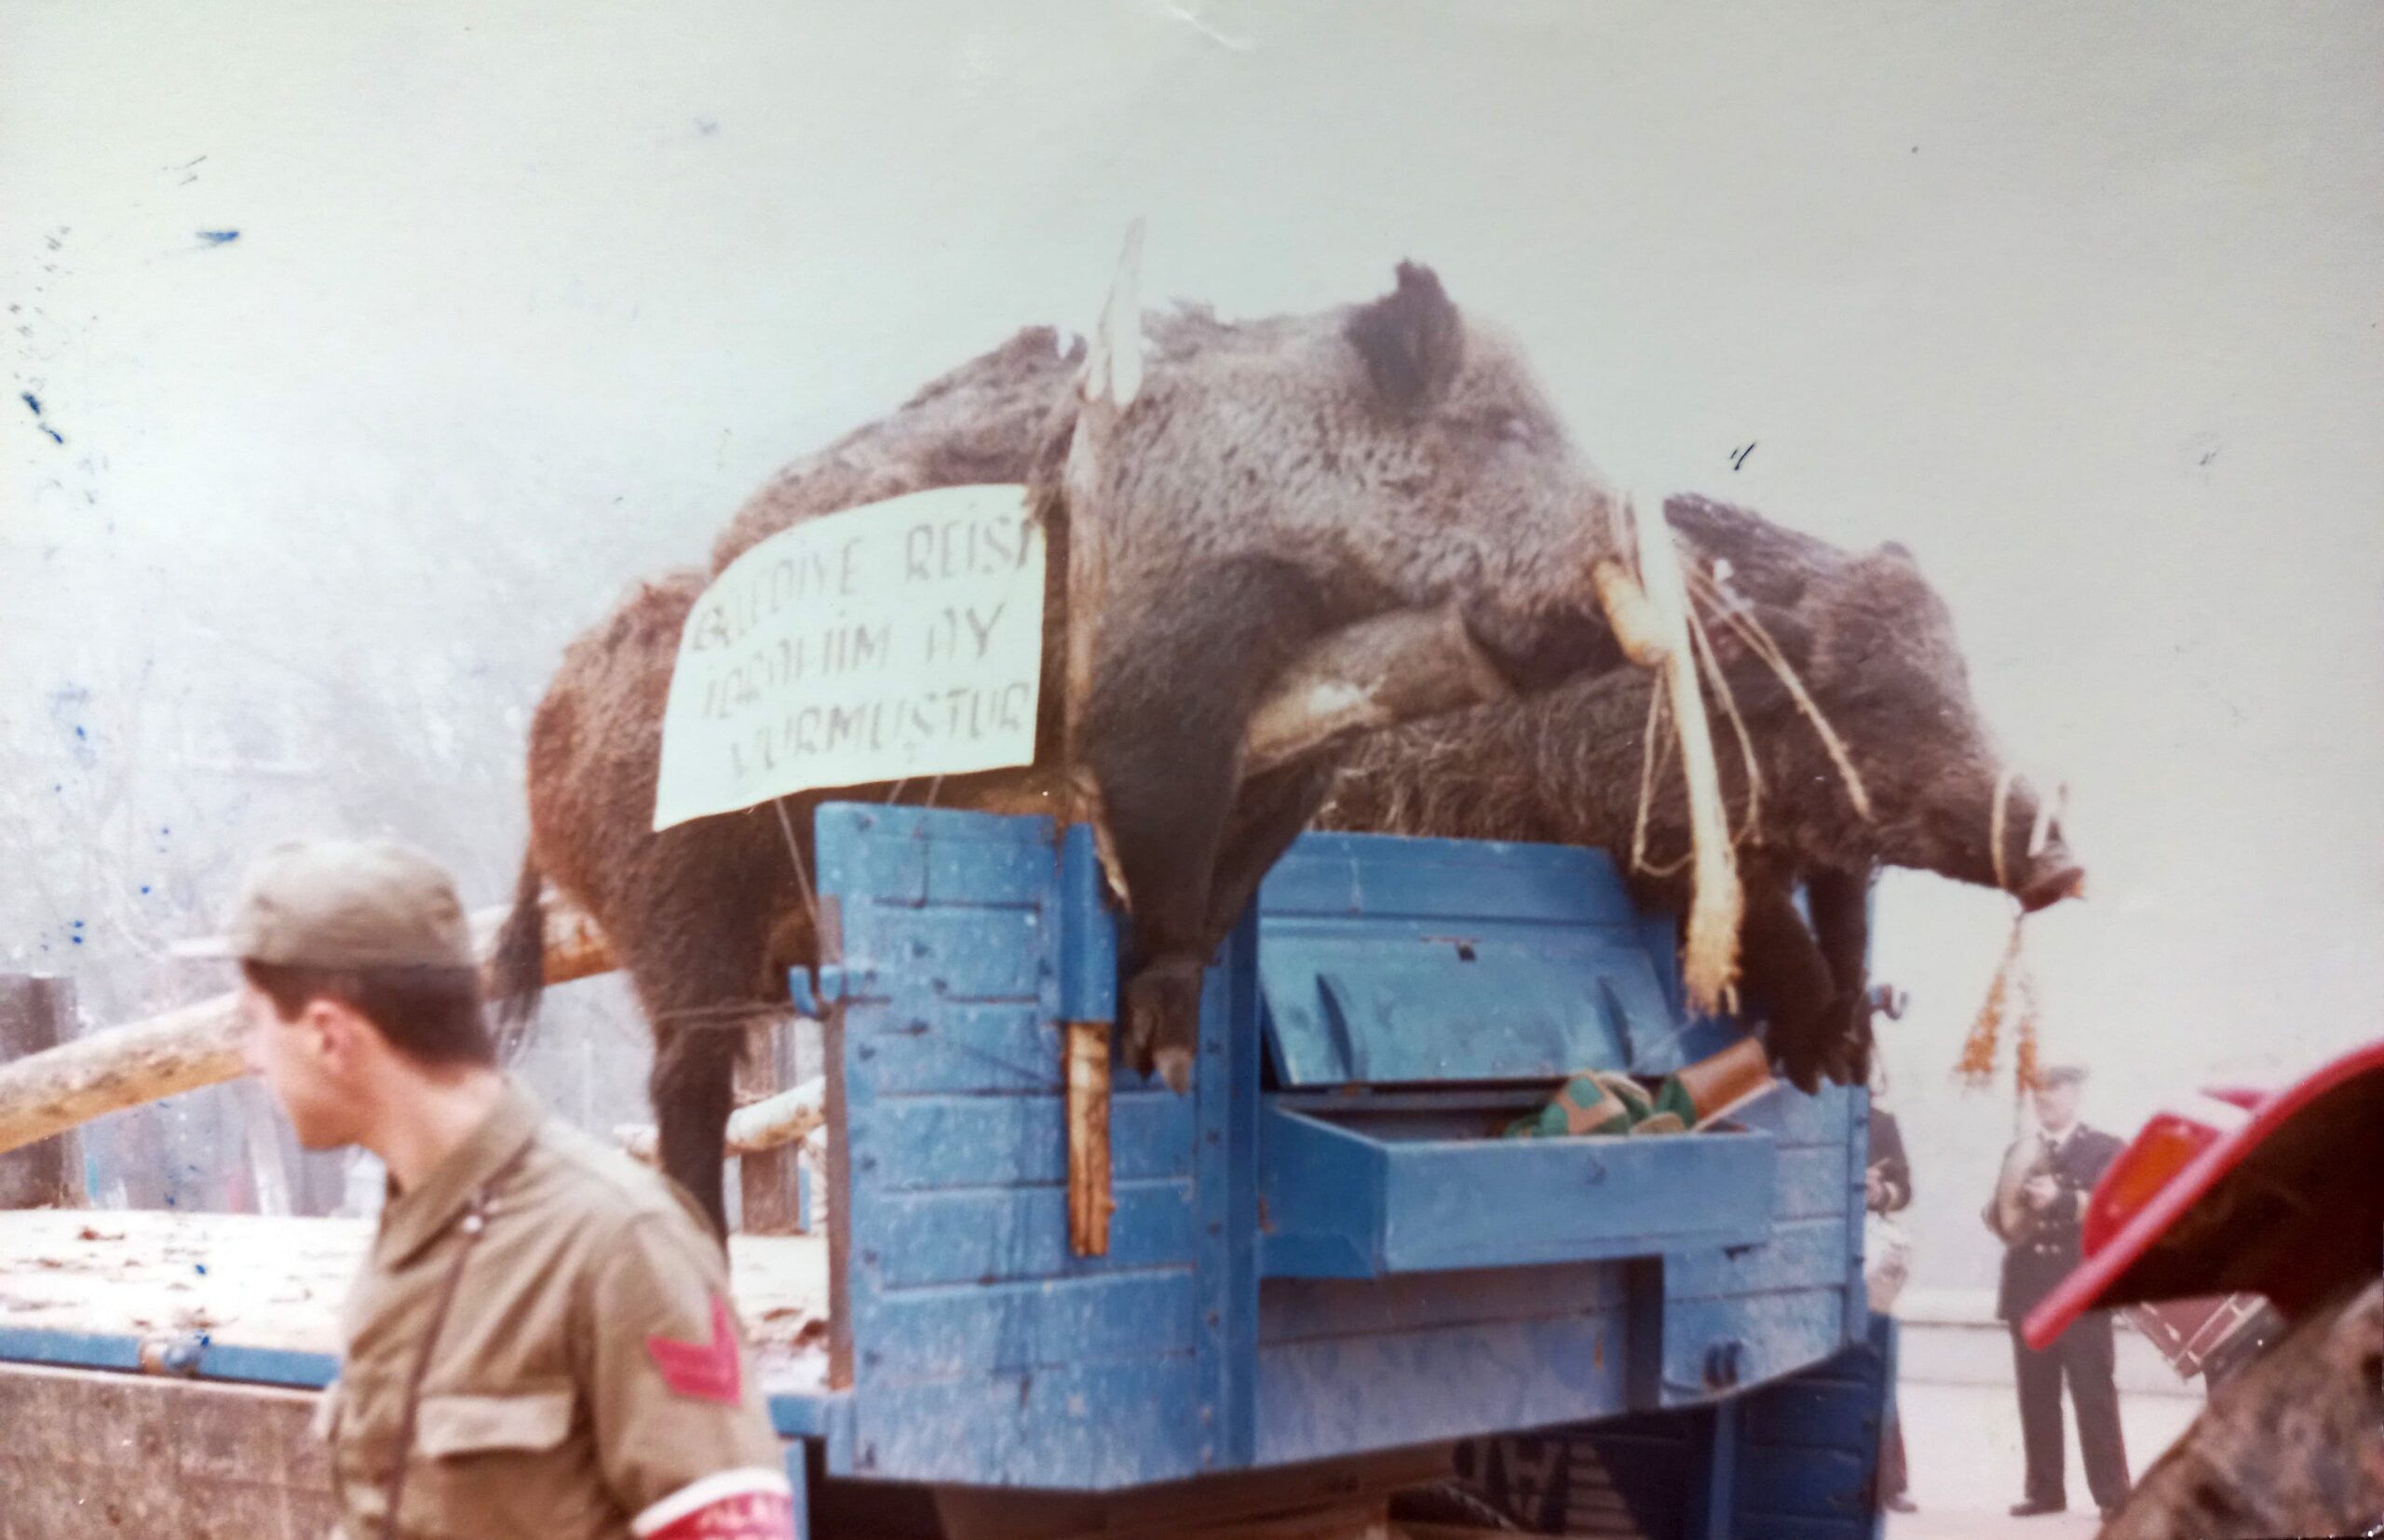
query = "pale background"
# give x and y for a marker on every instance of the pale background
(2081, 304)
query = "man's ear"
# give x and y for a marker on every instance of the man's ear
(330, 1031)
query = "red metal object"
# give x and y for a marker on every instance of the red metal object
(2288, 1203)
(2195, 1334)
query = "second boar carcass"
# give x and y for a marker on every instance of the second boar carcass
(1875, 647)
(1269, 485)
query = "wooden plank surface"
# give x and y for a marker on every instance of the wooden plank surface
(249, 1280)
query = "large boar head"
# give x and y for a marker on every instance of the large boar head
(1886, 662)
(1266, 485)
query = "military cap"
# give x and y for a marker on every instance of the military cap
(346, 904)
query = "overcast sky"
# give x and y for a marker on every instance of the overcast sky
(2080, 303)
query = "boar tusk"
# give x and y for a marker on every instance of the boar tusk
(1627, 611)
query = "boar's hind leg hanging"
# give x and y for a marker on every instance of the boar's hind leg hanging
(1167, 778)
(1786, 975)
(1840, 902)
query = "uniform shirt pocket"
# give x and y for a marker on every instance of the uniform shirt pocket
(510, 1463)
(526, 1423)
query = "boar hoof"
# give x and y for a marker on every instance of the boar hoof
(1174, 1066)
(1162, 1009)
(1801, 1063)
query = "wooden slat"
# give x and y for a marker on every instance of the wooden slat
(963, 1331)
(1436, 1382)
(1023, 1232)
(920, 1142)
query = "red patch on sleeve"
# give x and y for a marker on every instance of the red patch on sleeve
(747, 1515)
(710, 1371)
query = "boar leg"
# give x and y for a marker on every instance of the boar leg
(1172, 695)
(693, 1088)
(700, 928)
(1269, 814)
(1787, 975)
(1840, 903)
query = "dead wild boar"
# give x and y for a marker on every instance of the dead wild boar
(1271, 484)
(1874, 646)
(708, 916)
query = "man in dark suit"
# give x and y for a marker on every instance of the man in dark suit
(2038, 1209)
(1888, 1188)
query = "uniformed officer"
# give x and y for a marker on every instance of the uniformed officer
(1887, 1266)
(2039, 1211)
(541, 1341)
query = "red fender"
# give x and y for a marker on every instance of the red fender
(2281, 1195)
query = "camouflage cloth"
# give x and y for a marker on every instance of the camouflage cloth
(2292, 1445)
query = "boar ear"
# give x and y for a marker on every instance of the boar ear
(1412, 341)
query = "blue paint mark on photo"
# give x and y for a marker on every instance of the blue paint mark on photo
(31, 399)
(219, 238)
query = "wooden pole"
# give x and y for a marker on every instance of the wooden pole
(776, 1123)
(769, 1192)
(36, 1016)
(1090, 1200)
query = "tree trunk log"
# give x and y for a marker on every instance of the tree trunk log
(769, 1124)
(47, 1092)
(37, 1015)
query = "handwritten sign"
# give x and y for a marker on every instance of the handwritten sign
(899, 639)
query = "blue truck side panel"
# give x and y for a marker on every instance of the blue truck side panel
(981, 1350)
(1289, 1277)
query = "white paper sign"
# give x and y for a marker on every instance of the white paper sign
(899, 639)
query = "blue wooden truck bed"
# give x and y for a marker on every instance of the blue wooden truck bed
(1324, 1253)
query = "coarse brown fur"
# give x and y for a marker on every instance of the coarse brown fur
(1875, 648)
(1269, 483)
(707, 917)
(1272, 481)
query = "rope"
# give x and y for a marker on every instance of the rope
(1994, 825)
(1750, 630)
(1649, 737)
(795, 854)
(1730, 705)
(1655, 753)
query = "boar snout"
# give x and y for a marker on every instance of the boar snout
(2050, 878)
(2041, 872)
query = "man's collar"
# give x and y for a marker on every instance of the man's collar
(413, 1219)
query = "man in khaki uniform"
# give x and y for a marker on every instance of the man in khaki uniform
(541, 1342)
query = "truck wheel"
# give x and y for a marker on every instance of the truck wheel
(1454, 1504)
